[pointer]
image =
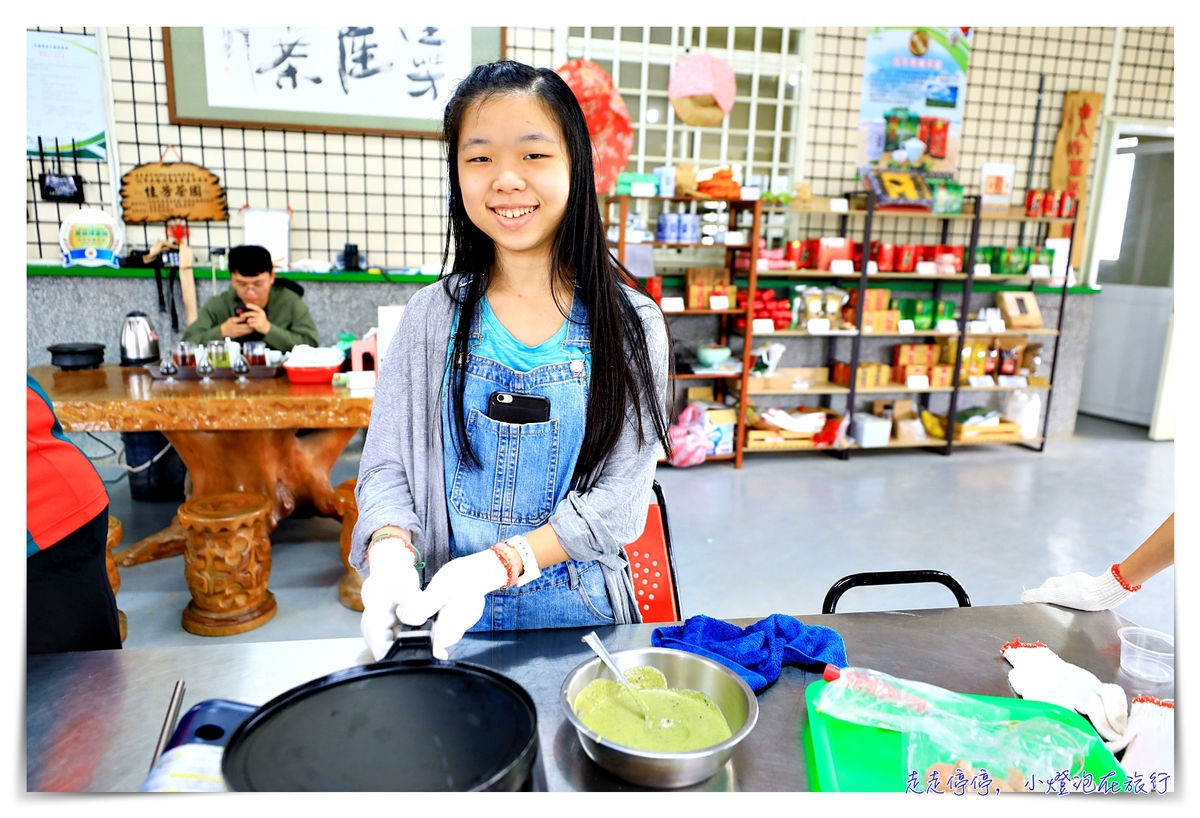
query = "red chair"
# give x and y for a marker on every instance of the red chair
(652, 564)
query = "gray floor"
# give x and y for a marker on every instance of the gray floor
(775, 535)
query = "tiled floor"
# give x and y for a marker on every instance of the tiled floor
(774, 536)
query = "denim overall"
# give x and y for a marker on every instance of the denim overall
(526, 472)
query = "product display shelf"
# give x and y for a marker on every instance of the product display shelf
(901, 389)
(828, 389)
(682, 244)
(725, 317)
(868, 211)
(1003, 388)
(690, 376)
(784, 446)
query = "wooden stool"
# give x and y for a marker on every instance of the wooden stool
(350, 586)
(227, 560)
(114, 576)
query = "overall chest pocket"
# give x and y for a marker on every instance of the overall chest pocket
(516, 482)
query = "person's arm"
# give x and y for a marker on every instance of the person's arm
(1118, 583)
(207, 326)
(295, 327)
(383, 492)
(1152, 556)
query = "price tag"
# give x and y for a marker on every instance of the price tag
(839, 205)
(718, 302)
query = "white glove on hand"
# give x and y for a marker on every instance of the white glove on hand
(388, 594)
(456, 594)
(1039, 674)
(1149, 741)
(1081, 592)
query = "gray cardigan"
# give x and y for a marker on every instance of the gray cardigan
(401, 479)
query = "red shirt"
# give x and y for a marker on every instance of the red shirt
(63, 490)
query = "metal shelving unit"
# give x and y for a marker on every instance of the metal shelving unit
(868, 212)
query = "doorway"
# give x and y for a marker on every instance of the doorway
(1132, 259)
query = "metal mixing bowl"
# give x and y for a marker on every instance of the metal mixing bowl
(683, 670)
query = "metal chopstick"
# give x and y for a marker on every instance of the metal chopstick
(169, 722)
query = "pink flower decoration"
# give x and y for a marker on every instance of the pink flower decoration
(699, 74)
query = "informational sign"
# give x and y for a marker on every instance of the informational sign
(1072, 160)
(90, 237)
(64, 99)
(913, 95)
(272, 229)
(394, 71)
(160, 191)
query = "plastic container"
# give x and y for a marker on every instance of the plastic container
(311, 374)
(1148, 654)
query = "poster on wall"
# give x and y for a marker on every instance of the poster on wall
(64, 99)
(394, 71)
(913, 95)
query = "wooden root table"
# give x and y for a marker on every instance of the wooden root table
(232, 437)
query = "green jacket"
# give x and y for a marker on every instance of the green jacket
(291, 322)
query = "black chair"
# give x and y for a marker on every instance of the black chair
(892, 578)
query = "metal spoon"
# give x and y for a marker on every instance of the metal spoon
(593, 642)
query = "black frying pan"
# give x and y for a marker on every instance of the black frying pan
(407, 723)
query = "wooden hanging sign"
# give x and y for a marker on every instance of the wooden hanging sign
(159, 191)
(1072, 163)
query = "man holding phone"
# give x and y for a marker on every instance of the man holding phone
(258, 307)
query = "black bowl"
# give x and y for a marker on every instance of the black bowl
(76, 356)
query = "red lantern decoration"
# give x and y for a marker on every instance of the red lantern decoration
(609, 124)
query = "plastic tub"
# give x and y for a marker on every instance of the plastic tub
(1148, 654)
(312, 374)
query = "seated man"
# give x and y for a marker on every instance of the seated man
(256, 307)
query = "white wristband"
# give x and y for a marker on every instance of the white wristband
(529, 566)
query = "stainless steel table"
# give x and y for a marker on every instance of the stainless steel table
(92, 718)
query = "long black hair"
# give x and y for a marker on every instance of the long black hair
(622, 374)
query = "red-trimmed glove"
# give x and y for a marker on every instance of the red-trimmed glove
(456, 594)
(1039, 674)
(1083, 592)
(388, 593)
(1149, 742)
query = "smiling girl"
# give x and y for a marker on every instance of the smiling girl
(520, 520)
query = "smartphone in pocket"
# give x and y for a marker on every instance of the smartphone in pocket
(510, 407)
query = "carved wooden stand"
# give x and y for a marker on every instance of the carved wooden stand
(227, 560)
(350, 586)
(291, 471)
(114, 576)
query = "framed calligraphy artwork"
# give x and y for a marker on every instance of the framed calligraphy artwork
(355, 79)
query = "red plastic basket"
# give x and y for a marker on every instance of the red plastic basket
(311, 374)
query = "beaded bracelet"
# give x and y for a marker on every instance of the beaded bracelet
(1116, 572)
(418, 563)
(506, 559)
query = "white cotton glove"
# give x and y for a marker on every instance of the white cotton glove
(388, 594)
(456, 594)
(1081, 592)
(1039, 674)
(1149, 741)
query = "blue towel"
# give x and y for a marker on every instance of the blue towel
(759, 652)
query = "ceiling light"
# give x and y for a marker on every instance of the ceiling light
(652, 115)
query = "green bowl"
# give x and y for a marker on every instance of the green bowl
(713, 355)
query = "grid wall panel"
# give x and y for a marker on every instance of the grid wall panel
(383, 193)
(386, 194)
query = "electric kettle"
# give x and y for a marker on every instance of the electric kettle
(139, 341)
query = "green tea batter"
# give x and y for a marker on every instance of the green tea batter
(680, 720)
